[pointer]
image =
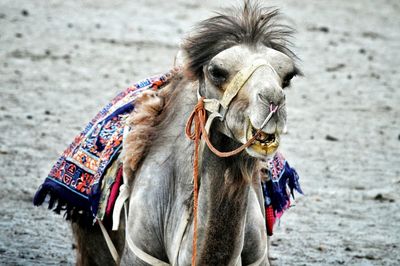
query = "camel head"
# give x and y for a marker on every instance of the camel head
(247, 47)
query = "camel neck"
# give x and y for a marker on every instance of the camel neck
(223, 202)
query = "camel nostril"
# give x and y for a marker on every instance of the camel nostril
(263, 98)
(272, 100)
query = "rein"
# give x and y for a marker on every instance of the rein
(199, 118)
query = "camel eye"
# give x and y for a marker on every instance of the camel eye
(287, 79)
(217, 74)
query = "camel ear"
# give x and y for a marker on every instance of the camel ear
(181, 60)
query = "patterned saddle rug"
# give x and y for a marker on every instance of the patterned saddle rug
(85, 179)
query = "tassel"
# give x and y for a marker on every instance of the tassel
(270, 219)
(52, 201)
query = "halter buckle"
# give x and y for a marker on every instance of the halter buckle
(215, 107)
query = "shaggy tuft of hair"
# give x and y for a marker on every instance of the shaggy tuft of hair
(250, 25)
(142, 121)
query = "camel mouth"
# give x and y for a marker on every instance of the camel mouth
(265, 144)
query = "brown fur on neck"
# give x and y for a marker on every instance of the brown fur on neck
(144, 122)
(228, 182)
(147, 107)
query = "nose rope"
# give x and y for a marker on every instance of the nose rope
(272, 111)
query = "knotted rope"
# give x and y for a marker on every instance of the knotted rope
(199, 116)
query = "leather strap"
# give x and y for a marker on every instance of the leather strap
(124, 191)
(137, 251)
(221, 106)
(109, 242)
(237, 83)
(119, 204)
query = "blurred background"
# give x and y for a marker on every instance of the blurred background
(61, 61)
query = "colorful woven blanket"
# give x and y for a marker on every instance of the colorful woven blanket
(86, 178)
(75, 180)
(280, 183)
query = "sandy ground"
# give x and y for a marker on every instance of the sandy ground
(61, 61)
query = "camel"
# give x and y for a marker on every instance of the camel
(246, 46)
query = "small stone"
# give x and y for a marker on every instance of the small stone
(336, 67)
(47, 112)
(372, 35)
(274, 244)
(370, 257)
(382, 198)
(331, 138)
(348, 249)
(18, 35)
(362, 51)
(378, 197)
(324, 29)
(25, 13)
(29, 117)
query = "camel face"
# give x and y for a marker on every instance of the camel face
(261, 93)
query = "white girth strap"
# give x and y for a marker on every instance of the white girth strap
(109, 243)
(119, 204)
(124, 191)
(137, 251)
